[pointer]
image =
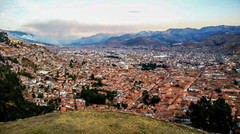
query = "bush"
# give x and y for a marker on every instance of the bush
(26, 74)
(92, 97)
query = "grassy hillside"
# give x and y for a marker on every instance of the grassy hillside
(91, 122)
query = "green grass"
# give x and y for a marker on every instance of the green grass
(91, 121)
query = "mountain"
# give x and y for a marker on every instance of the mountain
(94, 39)
(170, 36)
(34, 38)
(177, 35)
(93, 121)
(222, 43)
(28, 37)
(119, 40)
(145, 41)
(146, 33)
(221, 28)
(18, 35)
(195, 35)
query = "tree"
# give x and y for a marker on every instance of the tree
(3, 36)
(199, 113)
(26, 74)
(74, 77)
(47, 78)
(220, 117)
(144, 92)
(12, 103)
(214, 117)
(84, 62)
(57, 74)
(118, 105)
(100, 83)
(92, 77)
(46, 89)
(92, 97)
(145, 97)
(155, 100)
(71, 64)
(50, 102)
(235, 82)
(83, 88)
(40, 95)
(94, 84)
(33, 95)
(124, 105)
(218, 90)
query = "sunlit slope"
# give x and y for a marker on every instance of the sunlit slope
(91, 122)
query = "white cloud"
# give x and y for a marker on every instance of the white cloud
(149, 14)
(57, 31)
(96, 12)
(60, 28)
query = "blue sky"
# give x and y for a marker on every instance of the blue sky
(77, 18)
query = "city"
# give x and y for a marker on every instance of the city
(122, 67)
(176, 80)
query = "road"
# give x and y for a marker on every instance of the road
(141, 94)
(193, 82)
(180, 95)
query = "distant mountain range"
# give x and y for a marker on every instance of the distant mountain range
(93, 40)
(217, 37)
(172, 36)
(222, 43)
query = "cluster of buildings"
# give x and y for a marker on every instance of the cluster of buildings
(60, 73)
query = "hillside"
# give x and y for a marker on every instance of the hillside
(12, 103)
(91, 122)
(94, 39)
(27, 37)
(173, 36)
(224, 43)
(115, 41)
(147, 41)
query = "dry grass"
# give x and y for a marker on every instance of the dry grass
(88, 121)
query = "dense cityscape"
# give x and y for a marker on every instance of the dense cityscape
(153, 83)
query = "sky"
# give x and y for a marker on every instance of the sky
(78, 18)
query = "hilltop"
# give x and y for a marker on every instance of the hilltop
(89, 121)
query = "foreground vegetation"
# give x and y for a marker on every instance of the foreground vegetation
(92, 96)
(90, 121)
(12, 103)
(214, 117)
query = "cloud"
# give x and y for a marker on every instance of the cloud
(58, 30)
(134, 11)
(4, 5)
(61, 28)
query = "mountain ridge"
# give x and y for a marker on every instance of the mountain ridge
(170, 36)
